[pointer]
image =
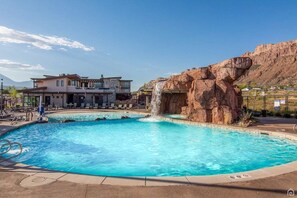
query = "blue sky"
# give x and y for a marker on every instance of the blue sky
(136, 39)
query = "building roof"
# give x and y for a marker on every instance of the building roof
(117, 77)
(33, 89)
(48, 77)
(77, 77)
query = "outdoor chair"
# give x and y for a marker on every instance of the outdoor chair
(125, 106)
(96, 106)
(87, 105)
(130, 106)
(82, 105)
(103, 106)
(111, 106)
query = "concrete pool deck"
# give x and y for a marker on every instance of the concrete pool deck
(33, 177)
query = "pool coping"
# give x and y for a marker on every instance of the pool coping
(45, 176)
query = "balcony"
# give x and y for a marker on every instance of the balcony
(88, 90)
(124, 90)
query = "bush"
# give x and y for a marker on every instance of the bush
(287, 115)
(278, 114)
(246, 119)
(269, 113)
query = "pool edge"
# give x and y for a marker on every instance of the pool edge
(36, 172)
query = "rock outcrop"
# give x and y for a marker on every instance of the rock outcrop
(206, 94)
(273, 64)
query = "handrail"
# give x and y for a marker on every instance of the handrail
(10, 145)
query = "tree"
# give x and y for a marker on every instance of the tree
(13, 94)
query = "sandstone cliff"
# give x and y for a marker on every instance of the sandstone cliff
(273, 64)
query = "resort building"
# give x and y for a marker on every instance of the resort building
(72, 89)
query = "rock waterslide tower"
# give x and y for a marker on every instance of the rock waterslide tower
(206, 94)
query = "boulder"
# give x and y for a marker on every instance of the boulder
(210, 93)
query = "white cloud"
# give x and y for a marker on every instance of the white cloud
(9, 65)
(8, 35)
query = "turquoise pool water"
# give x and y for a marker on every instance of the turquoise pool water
(133, 147)
(90, 116)
(175, 116)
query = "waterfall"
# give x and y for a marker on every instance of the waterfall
(156, 98)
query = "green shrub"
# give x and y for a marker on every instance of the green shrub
(277, 114)
(287, 115)
(246, 119)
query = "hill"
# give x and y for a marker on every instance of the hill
(273, 64)
(9, 82)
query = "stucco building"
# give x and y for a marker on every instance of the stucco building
(66, 89)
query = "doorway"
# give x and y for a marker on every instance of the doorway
(47, 100)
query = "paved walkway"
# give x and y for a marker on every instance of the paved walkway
(276, 124)
(269, 187)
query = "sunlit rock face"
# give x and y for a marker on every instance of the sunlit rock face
(206, 94)
(273, 65)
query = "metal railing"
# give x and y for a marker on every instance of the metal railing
(7, 146)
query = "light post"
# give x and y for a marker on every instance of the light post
(264, 112)
(1, 97)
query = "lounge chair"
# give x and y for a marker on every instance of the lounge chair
(120, 106)
(50, 107)
(130, 106)
(74, 105)
(87, 106)
(111, 106)
(82, 105)
(6, 117)
(103, 106)
(14, 120)
(125, 106)
(6, 113)
(96, 106)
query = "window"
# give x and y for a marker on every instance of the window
(57, 83)
(69, 82)
(62, 83)
(73, 83)
(98, 85)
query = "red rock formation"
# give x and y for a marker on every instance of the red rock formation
(273, 64)
(206, 94)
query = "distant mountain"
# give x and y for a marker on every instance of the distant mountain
(8, 82)
(273, 64)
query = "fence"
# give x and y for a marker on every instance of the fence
(270, 102)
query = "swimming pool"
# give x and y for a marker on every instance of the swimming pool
(90, 116)
(175, 116)
(134, 147)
